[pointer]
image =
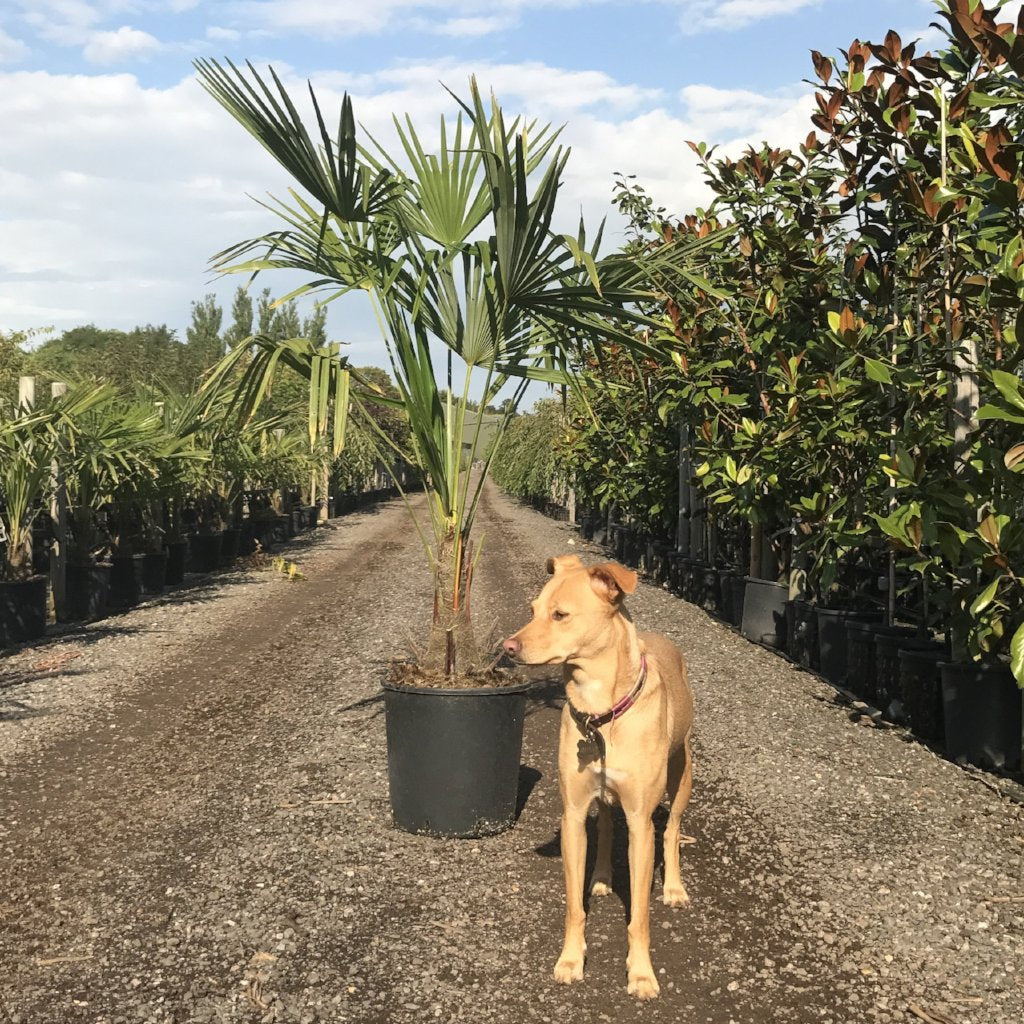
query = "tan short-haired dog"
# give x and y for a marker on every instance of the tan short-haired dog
(625, 738)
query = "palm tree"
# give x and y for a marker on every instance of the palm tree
(456, 253)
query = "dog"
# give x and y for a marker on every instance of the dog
(625, 738)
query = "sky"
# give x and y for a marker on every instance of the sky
(120, 177)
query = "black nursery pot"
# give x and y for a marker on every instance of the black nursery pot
(177, 559)
(86, 591)
(921, 686)
(205, 552)
(126, 583)
(22, 610)
(889, 641)
(764, 612)
(832, 652)
(733, 586)
(453, 758)
(982, 710)
(229, 542)
(154, 572)
(802, 633)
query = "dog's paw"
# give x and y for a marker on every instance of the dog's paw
(643, 986)
(568, 970)
(600, 887)
(675, 896)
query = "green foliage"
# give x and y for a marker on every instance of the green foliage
(525, 463)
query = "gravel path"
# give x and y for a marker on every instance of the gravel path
(194, 826)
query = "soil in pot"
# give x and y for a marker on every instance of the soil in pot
(889, 641)
(177, 559)
(22, 610)
(126, 581)
(204, 549)
(453, 757)
(802, 633)
(154, 572)
(982, 710)
(832, 651)
(229, 541)
(921, 686)
(86, 591)
(764, 612)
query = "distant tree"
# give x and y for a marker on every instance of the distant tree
(314, 326)
(12, 363)
(204, 346)
(241, 319)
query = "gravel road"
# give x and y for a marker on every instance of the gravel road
(194, 826)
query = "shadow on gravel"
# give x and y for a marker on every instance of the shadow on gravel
(528, 778)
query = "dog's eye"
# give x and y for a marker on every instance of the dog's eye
(559, 616)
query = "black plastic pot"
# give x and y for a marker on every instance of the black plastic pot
(453, 758)
(298, 521)
(204, 552)
(708, 594)
(764, 612)
(22, 610)
(154, 572)
(733, 586)
(889, 641)
(177, 559)
(86, 591)
(125, 581)
(921, 686)
(802, 633)
(982, 710)
(229, 541)
(832, 653)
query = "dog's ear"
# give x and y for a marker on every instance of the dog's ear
(612, 581)
(561, 562)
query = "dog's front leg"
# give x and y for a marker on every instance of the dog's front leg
(641, 982)
(574, 859)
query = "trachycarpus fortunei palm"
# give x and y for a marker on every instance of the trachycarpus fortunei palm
(510, 306)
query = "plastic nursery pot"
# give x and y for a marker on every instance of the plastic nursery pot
(86, 591)
(733, 585)
(154, 571)
(22, 610)
(921, 686)
(764, 612)
(125, 581)
(229, 541)
(177, 559)
(691, 573)
(802, 633)
(982, 710)
(889, 641)
(453, 758)
(709, 595)
(204, 550)
(246, 538)
(832, 653)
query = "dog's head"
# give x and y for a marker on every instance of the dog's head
(571, 615)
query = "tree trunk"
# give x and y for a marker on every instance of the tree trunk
(452, 648)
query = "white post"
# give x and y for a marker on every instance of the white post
(59, 516)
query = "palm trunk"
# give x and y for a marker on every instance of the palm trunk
(452, 648)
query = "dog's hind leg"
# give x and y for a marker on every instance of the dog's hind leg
(601, 883)
(680, 784)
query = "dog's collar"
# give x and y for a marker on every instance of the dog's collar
(591, 723)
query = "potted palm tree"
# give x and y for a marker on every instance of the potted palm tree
(26, 450)
(456, 252)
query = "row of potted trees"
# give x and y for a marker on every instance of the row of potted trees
(105, 498)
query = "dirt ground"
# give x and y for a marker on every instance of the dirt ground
(194, 826)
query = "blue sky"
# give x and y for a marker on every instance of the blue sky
(119, 177)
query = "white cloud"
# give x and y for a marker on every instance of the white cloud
(122, 196)
(703, 15)
(473, 26)
(126, 43)
(222, 35)
(11, 50)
